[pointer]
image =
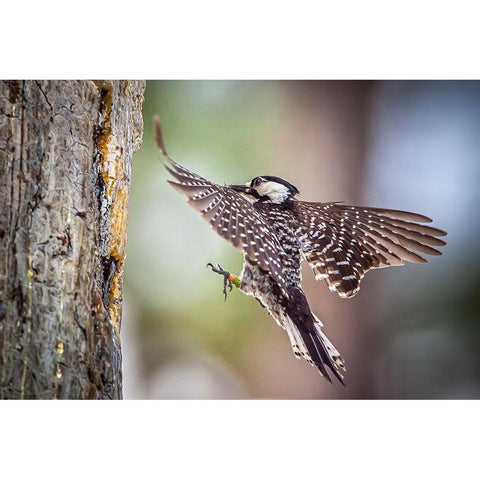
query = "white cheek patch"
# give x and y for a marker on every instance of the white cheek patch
(276, 192)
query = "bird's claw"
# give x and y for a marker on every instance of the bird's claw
(226, 280)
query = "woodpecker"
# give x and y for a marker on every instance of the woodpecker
(276, 231)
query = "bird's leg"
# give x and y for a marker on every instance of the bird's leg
(229, 279)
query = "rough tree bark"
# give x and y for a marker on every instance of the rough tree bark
(65, 168)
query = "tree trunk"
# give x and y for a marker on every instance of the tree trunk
(65, 166)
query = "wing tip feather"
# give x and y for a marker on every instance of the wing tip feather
(177, 186)
(157, 127)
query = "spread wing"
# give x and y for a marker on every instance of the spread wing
(232, 217)
(342, 242)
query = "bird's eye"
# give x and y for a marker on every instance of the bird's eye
(256, 182)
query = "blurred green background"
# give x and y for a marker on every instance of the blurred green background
(411, 332)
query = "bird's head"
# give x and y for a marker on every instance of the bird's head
(268, 189)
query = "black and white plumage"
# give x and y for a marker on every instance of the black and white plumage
(275, 231)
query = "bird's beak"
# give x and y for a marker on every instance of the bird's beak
(240, 188)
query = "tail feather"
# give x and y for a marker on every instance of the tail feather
(333, 352)
(307, 339)
(321, 357)
(317, 354)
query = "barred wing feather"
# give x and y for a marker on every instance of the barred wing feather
(342, 242)
(233, 218)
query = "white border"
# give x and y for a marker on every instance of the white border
(214, 39)
(240, 439)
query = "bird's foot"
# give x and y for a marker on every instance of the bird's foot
(227, 278)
